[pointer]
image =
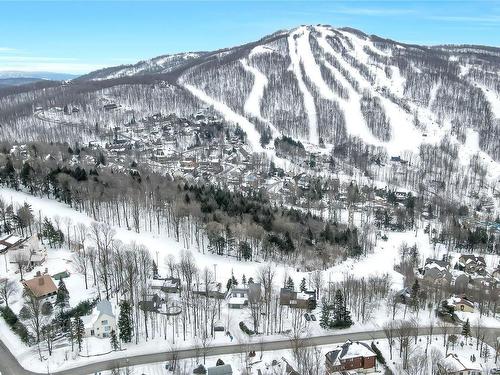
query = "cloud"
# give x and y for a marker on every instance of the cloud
(7, 49)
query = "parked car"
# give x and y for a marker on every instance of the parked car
(307, 317)
(313, 317)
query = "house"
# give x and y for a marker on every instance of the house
(9, 241)
(28, 250)
(101, 322)
(299, 300)
(220, 370)
(237, 298)
(213, 290)
(471, 264)
(453, 364)
(351, 356)
(404, 295)
(41, 287)
(435, 274)
(440, 262)
(461, 303)
(166, 285)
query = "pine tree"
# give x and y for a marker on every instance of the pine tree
(62, 297)
(324, 320)
(244, 280)
(289, 283)
(414, 295)
(341, 316)
(125, 321)
(302, 286)
(289, 246)
(234, 282)
(466, 331)
(338, 308)
(245, 250)
(155, 269)
(114, 340)
(79, 331)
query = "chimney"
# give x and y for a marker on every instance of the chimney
(40, 281)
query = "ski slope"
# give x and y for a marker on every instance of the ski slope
(296, 68)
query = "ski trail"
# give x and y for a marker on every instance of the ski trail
(253, 102)
(311, 68)
(355, 122)
(309, 104)
(404, 136)
(253, 135)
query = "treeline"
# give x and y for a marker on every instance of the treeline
(206, 217)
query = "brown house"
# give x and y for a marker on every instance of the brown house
(41, 287)
(351, 356)
(299, 300)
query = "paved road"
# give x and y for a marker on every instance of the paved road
(10, 366)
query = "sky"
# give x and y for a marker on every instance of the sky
(80, 36)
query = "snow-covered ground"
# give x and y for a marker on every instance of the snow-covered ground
(380, 262)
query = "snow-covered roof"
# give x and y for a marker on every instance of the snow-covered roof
(349, 350)
(454, 363)
(105, 307)
(237, 300)
(434, 265)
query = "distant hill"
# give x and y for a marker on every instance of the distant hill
(33, 76)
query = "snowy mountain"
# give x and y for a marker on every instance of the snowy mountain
(323, 85)
(329, 88)
(160, 64)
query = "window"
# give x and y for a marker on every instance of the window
(104, 322)
(107, 328)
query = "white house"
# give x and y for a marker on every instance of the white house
(101, 322)
(28, 250)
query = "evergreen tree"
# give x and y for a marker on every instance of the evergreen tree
(289, 246)
(114, 340)
(62, 297)
(341, 316)
(303, 287)
(244, 280)
(125, 321)
(466, 331)
(79, 331)
(324, 320)
(414, 295)
(155, 269)
(245, 250)
(234, 282)
(289, 283)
